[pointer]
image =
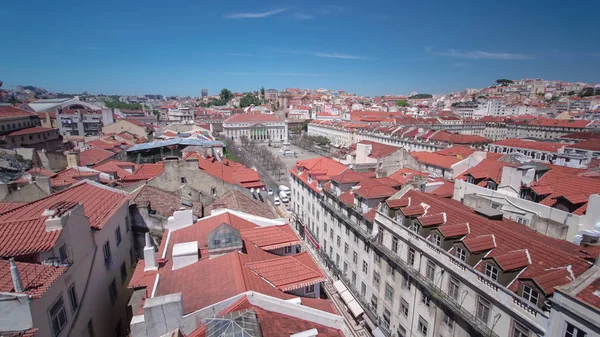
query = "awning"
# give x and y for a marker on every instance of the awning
(339, 286)
(378, 333)
(314, 242)
(355, 308)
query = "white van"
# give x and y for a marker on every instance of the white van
(283, 197)
(285, 189)
(276, 201)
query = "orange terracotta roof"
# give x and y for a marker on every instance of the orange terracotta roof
(33, 130)
(94, 156)
(287, 273)
(23, 229)
(145, 172)
(120, 168)
(272, 237)
(71, 176)
(563, 184)
(434, 159)
(9, 111)
(458, 151)
(238, 201)
(41, 171)
(36, 278)
(530, 144)
(379, 150)
(514, 260)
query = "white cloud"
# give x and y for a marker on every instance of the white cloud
(478, 54)
(254, 15)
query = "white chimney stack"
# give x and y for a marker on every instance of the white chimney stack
(149, 256)
(16, 277)
(307, 333)
(185, 254)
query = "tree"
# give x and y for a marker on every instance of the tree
(262, 92)
(226, 95)
(402, 103)
(421, 96)
(504, 81)
(249, 100)
(305, 124)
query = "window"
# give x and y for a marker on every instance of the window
(483, 309)
(366, 247)
(404, 307)
(123, 273)
(331, 234)
(453, 288)
(395, 245)
(436, 240)
(363, 289)
(374, 302)
(573, 331)
(347, 231)
(58, 316)
(112, 291)
(287, 250)
(386, 319)
(430, 272)
(389, 293)
(460, 254)
(519, 330)
(183, 180)
(425, 299)
(406, 282)
(422, 326)
(354, 279)
(376, 279)
(354, 257)
(73, 298)
(345, 267)
(337, 260)
(522, 221)
(62, 253)
(365, 267)
(339, 241)
(390, 271)
(531, 295)
(309, 289)
(118, 235)
(411, 257)
(345, 248)
(415, 227)
(106, 249)
(491, 271)
(448, 320)
(213, 191)
(325, 227)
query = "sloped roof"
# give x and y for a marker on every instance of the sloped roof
(487, 169)
(252, 117)
(117, 167)
(530, 144)
(94, 156)
(379, 150)
(577, 189)
(322, 168)
(287, 273)
(29, 131)
(36, 278)
(23, 229)
(163, 202)
(434, 159)
(458, 151)
(9, 111)
(237, 200)
(145, 172)
(545, 252)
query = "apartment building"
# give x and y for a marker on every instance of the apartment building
(421, 265)
(205, 269)
(83, 122)
(13, 119)
(73, 251)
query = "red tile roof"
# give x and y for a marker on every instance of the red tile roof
(120, 168)
(450, 231)
(163, 202)
(514, 260)
(546, 253)
(33, 130)
(487, 169)
(405, 175)
(444, 191)
(589, 145)
(238, 201)
(287, 273)
(413, 210)
(145, 172)
(320, 168)
(560, 123)
(36, 278)
(36, 171)
(432, 219)
(457, 151)
(23, 229)
(589, 294)
(272, 237)
(71, 176)
(576, 189)
(454, 138)
(7, 206)
(379, 150)
(371, 189)
(94, 156)
(229, 171)
(552, 278)
(252, 118)
(230, 274)
(434, 159)
(397, 203)
(9, 111)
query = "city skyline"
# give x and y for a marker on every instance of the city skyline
(370, 49)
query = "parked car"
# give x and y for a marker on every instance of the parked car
(285, 189)
(276, 201)
(270, 191)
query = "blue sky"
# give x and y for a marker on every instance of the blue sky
(368, 47)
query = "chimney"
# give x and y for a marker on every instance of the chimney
(149, 257)
(53, 222)
(180, 219)
(16, 277)
(73, 159)
(307, 333)
(185, 254)
(48, 121)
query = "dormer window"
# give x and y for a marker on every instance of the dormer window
(491, 272)
(436, 239)
(415, 226)
(470, 179)
(531, 295)
(319, 185)
(309, 179)
(460, 254)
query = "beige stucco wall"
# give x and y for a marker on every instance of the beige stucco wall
(121, 126)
